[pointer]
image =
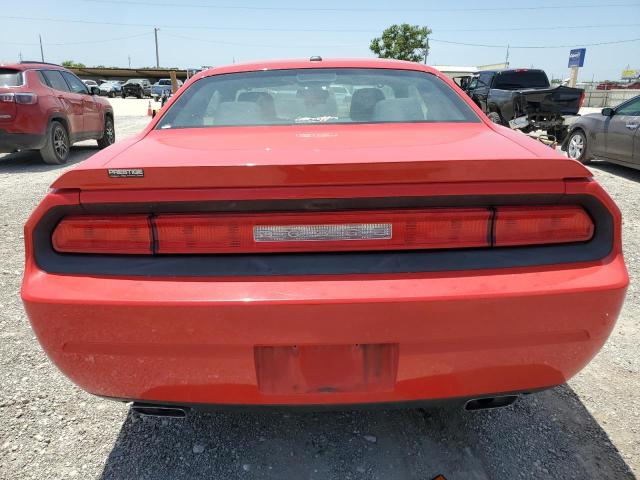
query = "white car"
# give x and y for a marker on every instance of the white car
(111, 88)
(90, 83)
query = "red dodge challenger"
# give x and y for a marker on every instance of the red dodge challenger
(323, 232)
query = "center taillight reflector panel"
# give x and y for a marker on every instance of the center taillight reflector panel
(323, 232)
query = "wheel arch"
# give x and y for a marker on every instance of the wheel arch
(62, 118)
(587, 144)
(570, 131)
(107, 114)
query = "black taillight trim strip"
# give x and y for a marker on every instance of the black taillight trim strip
(325, 263)
(154, 233)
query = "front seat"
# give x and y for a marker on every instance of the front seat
(363, 102)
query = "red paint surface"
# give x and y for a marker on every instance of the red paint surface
(83, 113)
(457, 333)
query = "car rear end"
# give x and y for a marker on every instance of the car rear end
(22, 123)
(535, 104)
(309, 267)
(109, 88)
(132, 89)
(162, 87)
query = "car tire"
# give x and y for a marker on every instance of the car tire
(112, 94)
(108, 134)
(57, 146)
(577, 147)
(495, 118)
(124, 96)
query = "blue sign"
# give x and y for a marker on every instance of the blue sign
(576, 57)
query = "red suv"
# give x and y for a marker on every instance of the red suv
(47, 108)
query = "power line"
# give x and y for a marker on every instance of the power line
(222, 42)
(613, 42)
(277, 29)
(106, 40)
(553, 27)
(238, 44)
(359, 10)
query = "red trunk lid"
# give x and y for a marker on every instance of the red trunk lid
(321, 155)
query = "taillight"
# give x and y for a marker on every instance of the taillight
(124, 234)
(317, 232)
(541, 225)
(21, 98)
(436, 228)
(582, 95)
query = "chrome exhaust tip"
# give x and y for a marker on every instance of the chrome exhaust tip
(486, 403)
(165, 411)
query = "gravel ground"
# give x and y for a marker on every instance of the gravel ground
(589, 429)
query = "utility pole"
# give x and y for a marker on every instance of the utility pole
(41, 50)
(426, 52)
(129, 61)
(155, 32)
(20, 57)
(506, 60)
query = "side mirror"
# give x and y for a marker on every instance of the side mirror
(93, 90)
(608, 112)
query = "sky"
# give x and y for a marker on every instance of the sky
(193, 33)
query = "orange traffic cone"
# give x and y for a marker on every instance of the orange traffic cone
(149, 112)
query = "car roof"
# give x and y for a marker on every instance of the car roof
(508, 70)
(27, 65)
(323, 63)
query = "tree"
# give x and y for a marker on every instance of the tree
(72, 64)
(402, 42)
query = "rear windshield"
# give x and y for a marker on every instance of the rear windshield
(311, 96)
(522, 79)
(10, 78)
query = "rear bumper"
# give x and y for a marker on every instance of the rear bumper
(458, 334)
(10, 142)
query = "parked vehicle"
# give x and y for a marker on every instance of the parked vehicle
(256, 246)
(524, 100)
(136, 87)
(612, 135)
(162, 88)
(90, 83)
(45, 107)
(111, 88)
(609, 85)
(632, 85)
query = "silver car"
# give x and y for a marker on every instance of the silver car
(612, 135)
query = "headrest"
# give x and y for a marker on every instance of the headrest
(363, 101)
(397, 110)
(237, 113)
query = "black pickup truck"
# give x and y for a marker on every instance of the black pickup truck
(523, 99)
(136, 87)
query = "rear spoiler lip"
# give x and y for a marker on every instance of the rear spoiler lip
(314, 175)
(319, 194)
